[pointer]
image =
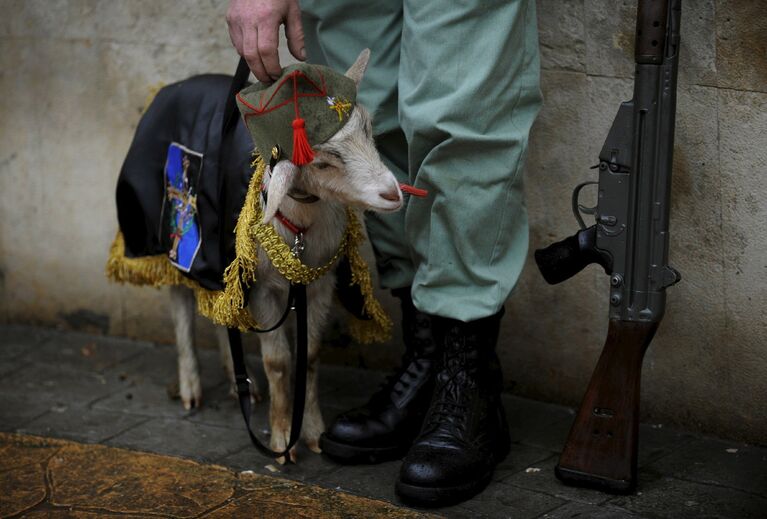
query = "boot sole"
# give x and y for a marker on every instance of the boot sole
(355, 454)
(441, 496)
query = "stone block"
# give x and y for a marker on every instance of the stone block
(173, 23)
(743, 153)
(561, 35)
(741, 45)
(610, 28)
(697, 55)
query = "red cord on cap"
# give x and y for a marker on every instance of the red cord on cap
(302, 150)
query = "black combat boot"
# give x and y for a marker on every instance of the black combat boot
(465, 434)
(385, 427)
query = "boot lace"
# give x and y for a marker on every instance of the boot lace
(448, 414)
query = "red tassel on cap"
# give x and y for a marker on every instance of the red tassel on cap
(302, 150)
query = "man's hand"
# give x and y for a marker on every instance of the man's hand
(254, 29)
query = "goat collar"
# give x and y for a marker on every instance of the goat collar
(252, 235)
(295, 229)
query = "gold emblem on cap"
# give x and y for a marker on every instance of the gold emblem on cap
(276, 152)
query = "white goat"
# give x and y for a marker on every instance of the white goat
(346, 171)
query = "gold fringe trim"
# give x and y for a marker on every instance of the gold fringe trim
(377, 329)
(251, 234)
(227, 307)
(155, 271)
(229, 310)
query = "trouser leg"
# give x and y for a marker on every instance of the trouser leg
(335, 33)
(468, 96)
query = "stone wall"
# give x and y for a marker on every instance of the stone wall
(75, 75)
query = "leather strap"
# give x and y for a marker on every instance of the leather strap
(239, 81)
(297, 302)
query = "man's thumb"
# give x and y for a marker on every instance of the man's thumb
(294, 31)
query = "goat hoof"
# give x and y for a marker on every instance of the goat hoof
(192, 403)
(191, 394)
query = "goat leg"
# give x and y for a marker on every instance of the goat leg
(182, 313)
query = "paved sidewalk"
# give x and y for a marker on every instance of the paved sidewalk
(112, 391)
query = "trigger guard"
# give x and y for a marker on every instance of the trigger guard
(577, 207)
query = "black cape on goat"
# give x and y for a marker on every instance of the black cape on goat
(183, 124)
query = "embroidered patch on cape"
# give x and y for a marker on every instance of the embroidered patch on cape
(181, 227)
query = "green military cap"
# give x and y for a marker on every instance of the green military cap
(306, 106)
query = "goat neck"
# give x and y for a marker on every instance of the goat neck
(324, 223)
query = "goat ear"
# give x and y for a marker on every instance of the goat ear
(282, 178)
(357, 70)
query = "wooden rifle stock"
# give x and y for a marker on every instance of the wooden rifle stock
(601, 450)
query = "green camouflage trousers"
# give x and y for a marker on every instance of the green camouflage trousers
(453, 86)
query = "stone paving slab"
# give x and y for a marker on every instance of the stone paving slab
(116, 392)
(43, 477)
(18, 408)
(671, 498)
(583, 511)
(720, 463)
(506, 501)
(82, 351)
(56, 385)
(206, 443)
(81, 423)
(18, 340)
(540, 478)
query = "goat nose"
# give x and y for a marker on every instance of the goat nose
(392, 195)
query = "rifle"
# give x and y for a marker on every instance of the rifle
(630, 241)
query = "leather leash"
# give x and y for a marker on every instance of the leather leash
(296, 302)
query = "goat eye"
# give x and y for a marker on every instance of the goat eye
(321, 165)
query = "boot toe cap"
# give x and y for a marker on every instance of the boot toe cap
(440, 467)
(358, 427)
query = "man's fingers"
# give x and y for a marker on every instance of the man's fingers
(268, 43)
(235, 34)
(294, 31)
(251, 55)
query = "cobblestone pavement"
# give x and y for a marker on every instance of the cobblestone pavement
(111, 391)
